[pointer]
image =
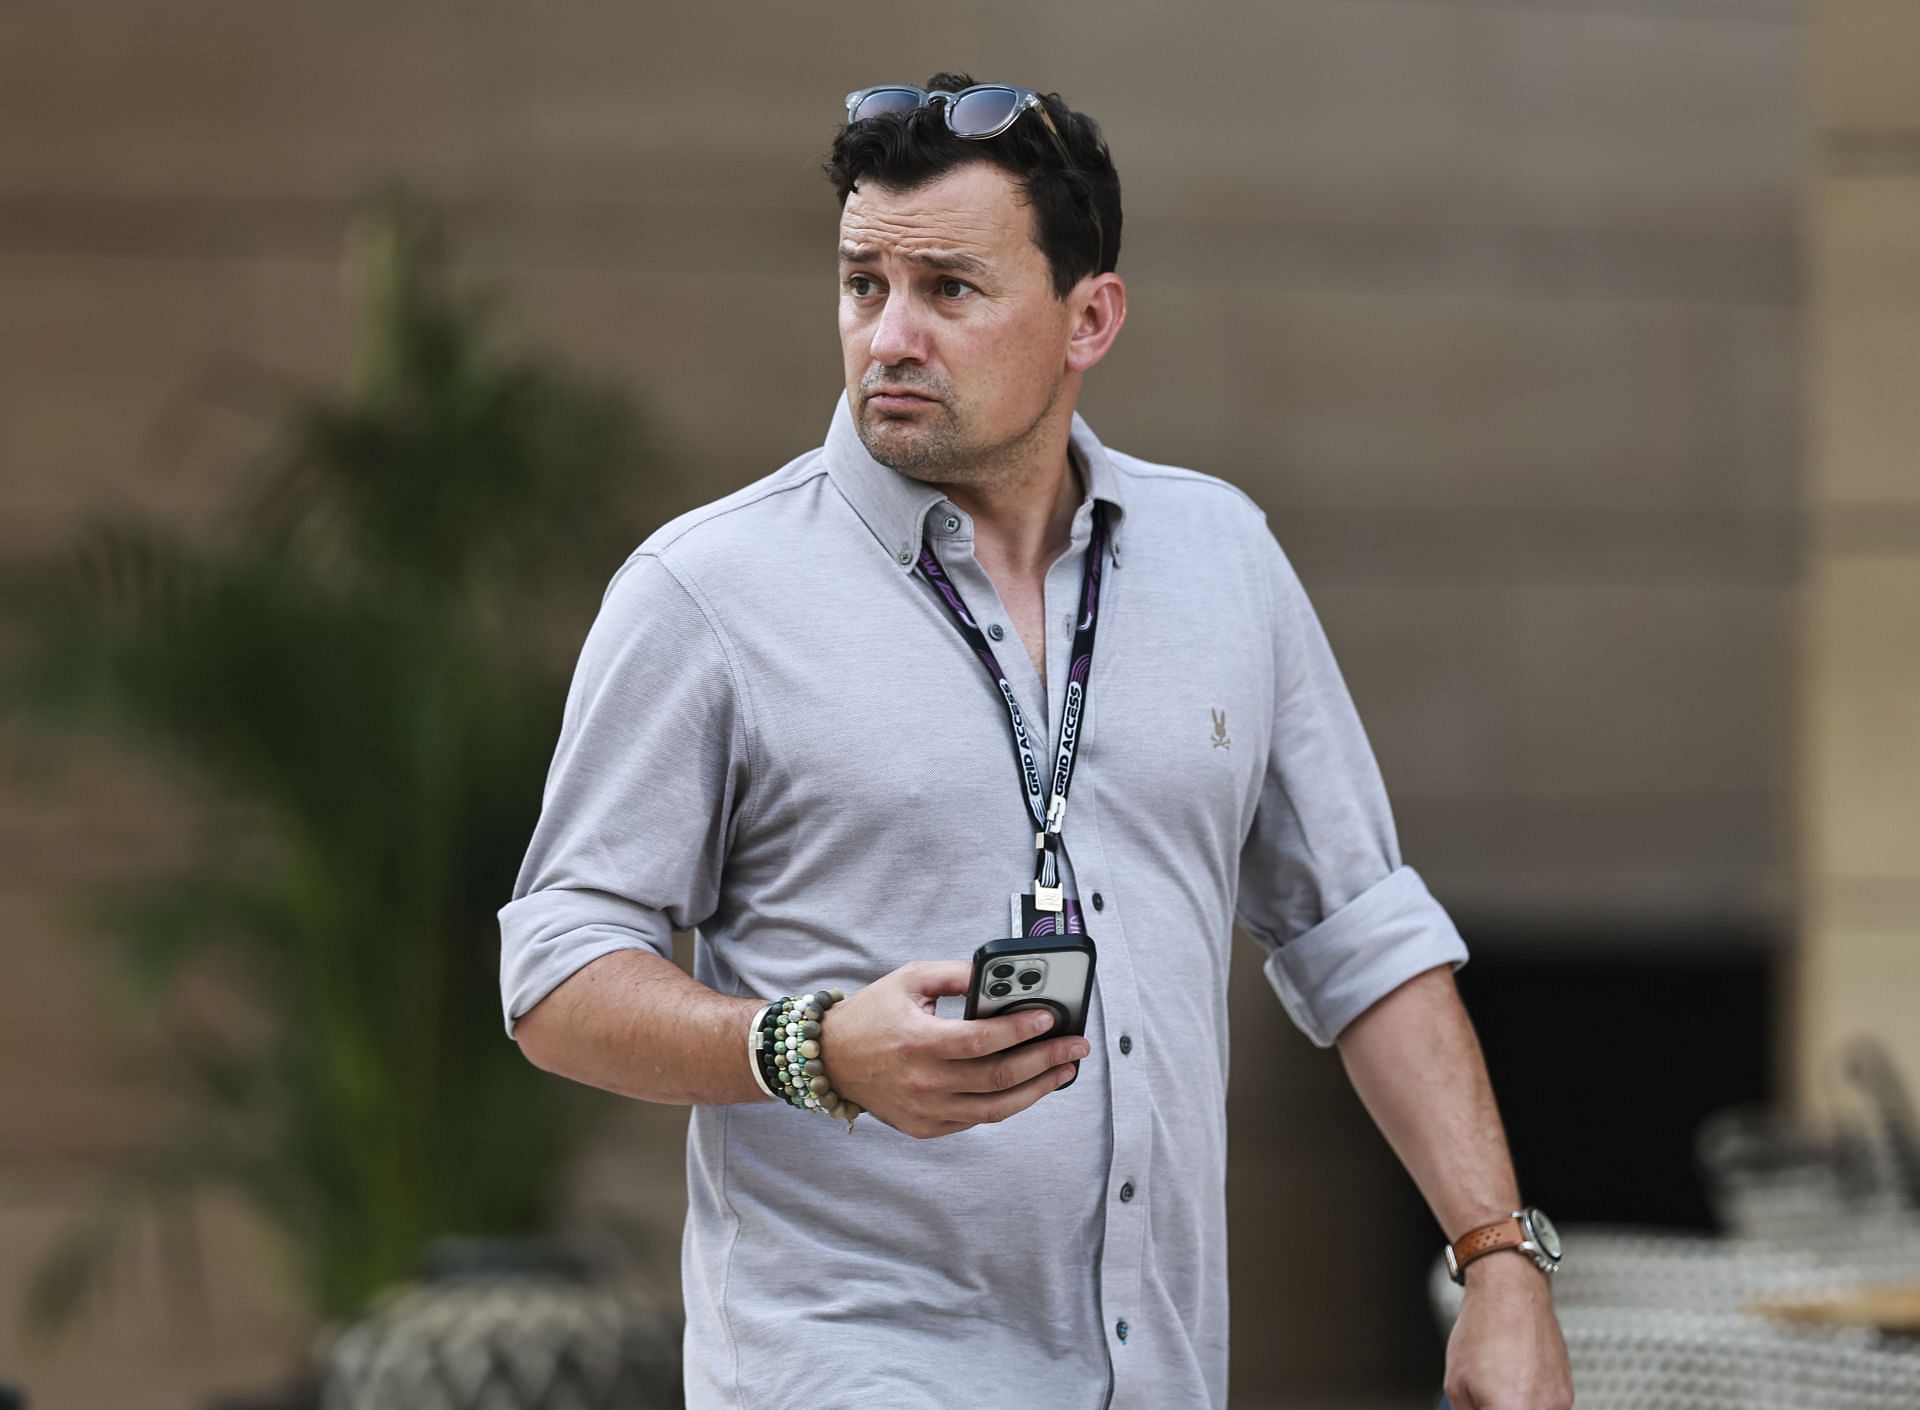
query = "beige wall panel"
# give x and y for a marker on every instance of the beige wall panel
(742, 371)
(1381, 111)
(1425, 112)
(1348, 112)
(78, 314)
(1616, 116)
(1857, 982)
(101, 363)
(149, 1346)
(1429, 666)
(74, 445)
(631, 103)
(75, 820)
(1571, 867)
(297, 316)
(1863, 701)
(1766, 372)
(66, 1086)
(1650, 688)
(1512, 544)
(1866, 255)
(1400, 401)
(1866, 337)
(222, 98)
(1865, 69)
(1868, 422)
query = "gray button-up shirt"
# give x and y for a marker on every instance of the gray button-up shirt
(776, 737)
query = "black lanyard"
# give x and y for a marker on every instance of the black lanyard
(1049, 812)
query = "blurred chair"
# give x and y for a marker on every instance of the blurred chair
(1641, 1359)
(1773, 1175)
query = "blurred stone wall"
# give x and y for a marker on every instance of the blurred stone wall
(1493, 304)
(1860, 635)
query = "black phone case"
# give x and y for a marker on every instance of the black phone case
(1070, 1009)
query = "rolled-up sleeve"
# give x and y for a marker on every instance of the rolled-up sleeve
(640, 800)
(1322, 888)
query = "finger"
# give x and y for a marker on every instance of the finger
(932, 978)
(997, 1072)
(1000, 1105)
(977, 1037)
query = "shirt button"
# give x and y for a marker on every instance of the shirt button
(1120, 1329)
(950, 523)
(1126, 1044)
(906, 555)
(1126, 1193)
(995, 630)
(1099, 901)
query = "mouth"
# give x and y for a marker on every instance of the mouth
(897, 399)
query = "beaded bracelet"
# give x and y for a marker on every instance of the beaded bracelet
(784, 1045)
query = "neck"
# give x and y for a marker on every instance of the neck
(1025, 521)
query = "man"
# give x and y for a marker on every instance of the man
(781, 734)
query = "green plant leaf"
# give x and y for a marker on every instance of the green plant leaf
(350, 660)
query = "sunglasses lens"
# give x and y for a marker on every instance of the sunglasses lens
(886, 100)
(984, 111)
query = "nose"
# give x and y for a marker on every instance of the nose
(898, 333)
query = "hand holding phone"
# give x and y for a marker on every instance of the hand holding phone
(928, 1076)
(1049, 973)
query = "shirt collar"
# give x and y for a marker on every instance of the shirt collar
(894, 506)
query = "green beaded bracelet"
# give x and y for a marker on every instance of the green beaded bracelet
(784, 1042)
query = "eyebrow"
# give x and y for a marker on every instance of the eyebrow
(948, 262)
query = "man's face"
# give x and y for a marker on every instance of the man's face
(954, 344)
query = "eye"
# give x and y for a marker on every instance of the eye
(860, 285)
(955, 288)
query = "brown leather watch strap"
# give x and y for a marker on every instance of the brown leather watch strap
(1488, 1238)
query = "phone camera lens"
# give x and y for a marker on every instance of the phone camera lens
(1029, 978)
(999, 989)
(1002, 971)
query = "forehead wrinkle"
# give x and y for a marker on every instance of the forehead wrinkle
(940, 261)
(919, 231)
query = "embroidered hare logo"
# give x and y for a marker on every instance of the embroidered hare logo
(1220, 740)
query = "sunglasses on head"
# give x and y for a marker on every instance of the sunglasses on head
(982, 111)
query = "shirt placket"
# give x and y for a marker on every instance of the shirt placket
(1129, 1172)
(1124, 1231)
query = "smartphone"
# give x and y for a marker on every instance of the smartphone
(1038, 972)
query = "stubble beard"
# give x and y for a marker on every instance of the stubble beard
(937, 451)
(923, 446)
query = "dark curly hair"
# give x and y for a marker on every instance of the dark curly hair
(1076, 207)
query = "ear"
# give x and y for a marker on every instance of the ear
(1098, 306)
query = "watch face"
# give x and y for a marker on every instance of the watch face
(1544, 1233)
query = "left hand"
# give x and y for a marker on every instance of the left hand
(1506, 1351)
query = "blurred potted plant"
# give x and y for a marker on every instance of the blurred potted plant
(356, 667)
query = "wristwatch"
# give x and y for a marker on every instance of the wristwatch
(1528, 1230)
